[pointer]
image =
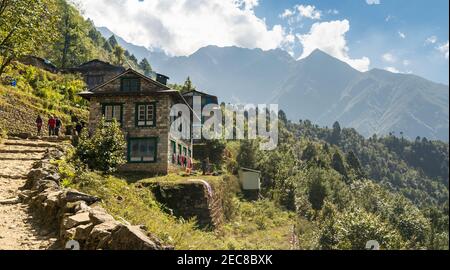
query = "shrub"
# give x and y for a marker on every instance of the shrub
(105, 150)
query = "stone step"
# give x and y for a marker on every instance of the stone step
(30, 143)
(22, 151)
(20, 158)
(10, 176)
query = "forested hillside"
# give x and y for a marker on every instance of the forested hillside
(389, 189)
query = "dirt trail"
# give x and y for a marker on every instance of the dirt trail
(18, 230)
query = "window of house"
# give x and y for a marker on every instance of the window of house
(142, 150)
(130, 84)
(189, 153)
(146, 115)
(184, 151)
(174, 147)
(112, 111)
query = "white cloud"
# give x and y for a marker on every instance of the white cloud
(431, 40)
(330, 38)
(309, 12)
(287, 13)
(406, 63)
(388, 57)
(298, 12)
(373, 2)
(444, 49)
(392, 69)
(181, 27)
(401, 35)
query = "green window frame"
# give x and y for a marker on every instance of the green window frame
(184, 151)
(145, 114)
(189, 153)
(131, 84)
(143, 150)
(174, 147)
(112, 111)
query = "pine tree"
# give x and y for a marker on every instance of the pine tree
(336, 133)
(188, 86)
(119, 54)
(113, 41)
(338, 164)
(145, 66)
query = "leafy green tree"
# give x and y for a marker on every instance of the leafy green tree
(246, 156)
(317, 190)
(309, 153)
(354, 164)
(24, 25)
(105, 150)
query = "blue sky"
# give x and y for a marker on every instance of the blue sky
(396, 35)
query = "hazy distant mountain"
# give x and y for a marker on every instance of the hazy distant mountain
(320, 88)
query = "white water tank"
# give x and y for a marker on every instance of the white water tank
(250, 179)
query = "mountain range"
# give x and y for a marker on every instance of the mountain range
(319, 87)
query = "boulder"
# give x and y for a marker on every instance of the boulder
(100, 235)
(24, 135)
(24, 195)
(76, 220)
(131, 238)
(55, 177)
(99, 215)
(42, 185)
(33, 176)
(75, 207)
(82, 232)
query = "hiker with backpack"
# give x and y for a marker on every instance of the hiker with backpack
(39, 125)
(58, 126)
(51, 126)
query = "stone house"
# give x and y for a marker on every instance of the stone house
(142, 107)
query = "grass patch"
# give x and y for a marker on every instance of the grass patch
(253, 225)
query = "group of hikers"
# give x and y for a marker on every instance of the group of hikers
(54, 125)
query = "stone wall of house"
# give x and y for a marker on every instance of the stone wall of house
(78, 216)
(161, 130)
(191, 199)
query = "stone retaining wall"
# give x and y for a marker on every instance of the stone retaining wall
(77, 216)
(190, 199)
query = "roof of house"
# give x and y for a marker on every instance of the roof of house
(29, 58)
(192, 92)
(130, 70)
(106, 65)
(250, 170)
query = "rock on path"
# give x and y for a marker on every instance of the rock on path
(18, 231)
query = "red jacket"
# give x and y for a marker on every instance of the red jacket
(51, 122)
